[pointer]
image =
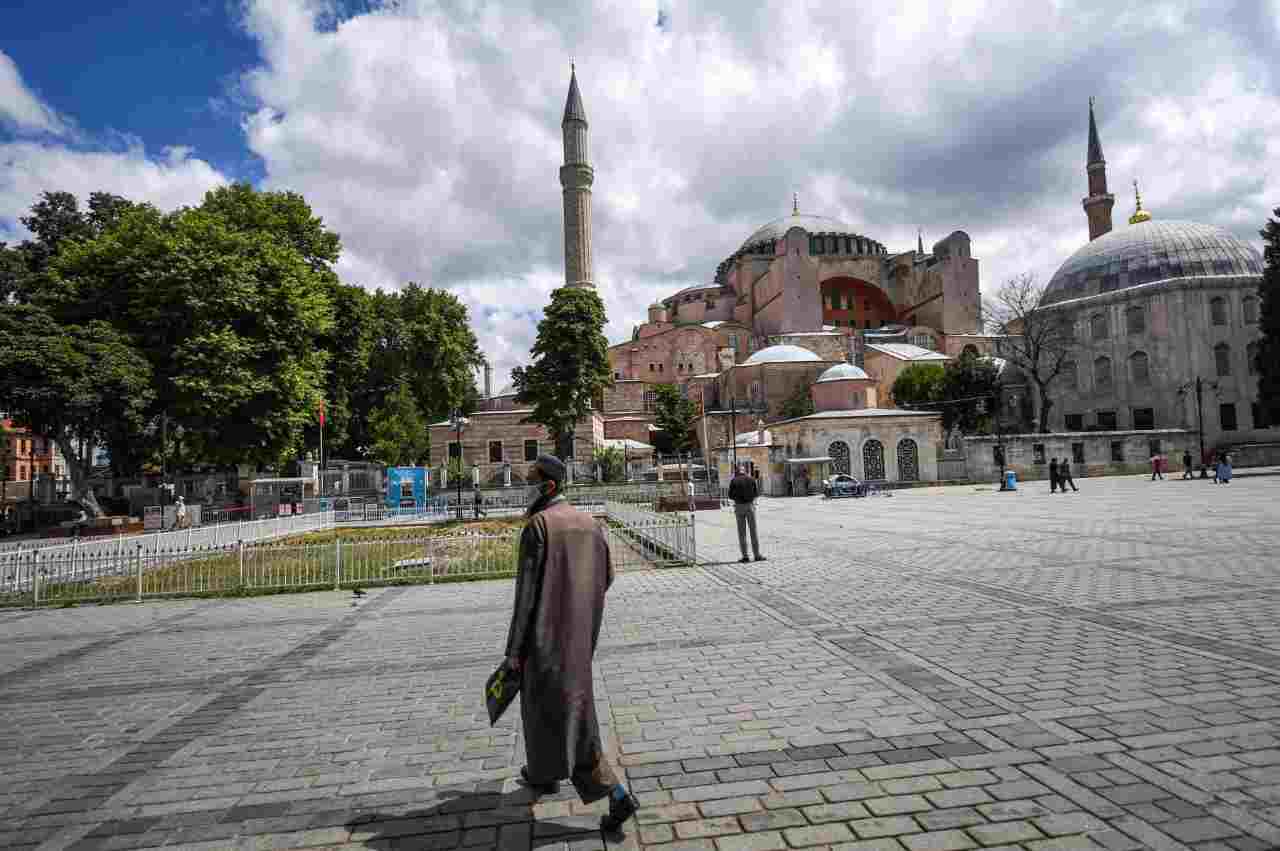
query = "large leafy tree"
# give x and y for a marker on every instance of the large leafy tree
(1268, 362)
(970, 385)
(228, 317)
(676, 416)
(398, 431)
(1037, 341)
(81, 385)
(570, 367)
(919, 384)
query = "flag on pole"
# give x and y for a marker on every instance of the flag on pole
(321, 413)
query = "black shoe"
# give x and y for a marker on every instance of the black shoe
(619, 812)
(761, 558)
(540, 788)
(744, 560)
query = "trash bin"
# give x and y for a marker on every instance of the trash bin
(1010, 480)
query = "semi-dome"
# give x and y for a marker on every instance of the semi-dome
(781, 354)
(1152, 251)
(843, 372)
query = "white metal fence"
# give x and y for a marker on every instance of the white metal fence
(196, 537)
(638, 539)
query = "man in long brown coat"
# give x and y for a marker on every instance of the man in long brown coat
(564, 572)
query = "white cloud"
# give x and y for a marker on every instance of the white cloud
(27, 169)
(22, 108)
(428, 135)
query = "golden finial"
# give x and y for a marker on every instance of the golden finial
(1139, 214)
(795, 203)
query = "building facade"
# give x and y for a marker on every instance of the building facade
(1155, 308)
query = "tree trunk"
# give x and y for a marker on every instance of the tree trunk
(1046, 404)
(79, 465)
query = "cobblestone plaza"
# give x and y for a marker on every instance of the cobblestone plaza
(943, 669)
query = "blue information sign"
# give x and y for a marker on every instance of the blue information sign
(406, 487)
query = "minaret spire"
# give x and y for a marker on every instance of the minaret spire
(576, 177)
(919, 240)
(1097, 207)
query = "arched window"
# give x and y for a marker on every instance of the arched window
(1252, 351)
(1139, 369)
(908, 461)
(1218, 310)
(839, 452)
(1102, 374)
(1222, 359)
(1098, 326)
(1251, 310)
(1135, 319)
(1070, 375)
(873, 460)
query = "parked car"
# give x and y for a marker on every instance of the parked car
(841, 485)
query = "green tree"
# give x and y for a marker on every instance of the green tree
(612, 463)
(1268, 361)
(969, 387)
(676, 416)
(440, 351)
(919, 384)
(77, 384)
(228, 318)
(570, 366)
(798, 404)
(399, 432)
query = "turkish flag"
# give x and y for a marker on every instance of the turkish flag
(321, 413)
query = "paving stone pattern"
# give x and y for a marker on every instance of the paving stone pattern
(943, 669)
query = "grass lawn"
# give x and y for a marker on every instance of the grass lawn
(351, 557)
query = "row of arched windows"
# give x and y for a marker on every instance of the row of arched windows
(908, 453)
(1139, 367)
(1135, 317)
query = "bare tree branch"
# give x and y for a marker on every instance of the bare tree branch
(1038, 342)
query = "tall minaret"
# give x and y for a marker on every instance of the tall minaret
(576, 177)
(1099, 203)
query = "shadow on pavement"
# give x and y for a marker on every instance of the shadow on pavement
(487, 819)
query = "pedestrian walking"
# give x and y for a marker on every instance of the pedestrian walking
(744, 491)
(1186, 464)
(1053, 475)
(563, 575)
(1155, 468)
(1064, 476)
(1222, 474)
(479, 505)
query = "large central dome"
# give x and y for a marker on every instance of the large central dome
(1152, 251)
(778, 228)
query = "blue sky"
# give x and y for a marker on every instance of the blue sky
(426, 132)
(142, 68)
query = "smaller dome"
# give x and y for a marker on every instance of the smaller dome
(843, 372)
(509, 390)
(657, 304)
(781, 354)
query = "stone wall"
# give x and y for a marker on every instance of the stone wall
(1104, 452)
(1170, 324)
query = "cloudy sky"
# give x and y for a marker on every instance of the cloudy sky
(427, 133)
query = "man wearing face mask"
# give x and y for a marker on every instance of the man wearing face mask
(564, 572)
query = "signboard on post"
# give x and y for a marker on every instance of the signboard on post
(406, 487)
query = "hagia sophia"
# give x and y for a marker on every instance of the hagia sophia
(807, 305)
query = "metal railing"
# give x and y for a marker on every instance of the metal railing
(638, 539)
(193, 537)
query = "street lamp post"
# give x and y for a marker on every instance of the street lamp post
(458, 421)
(733, 430)
(1198, 385)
